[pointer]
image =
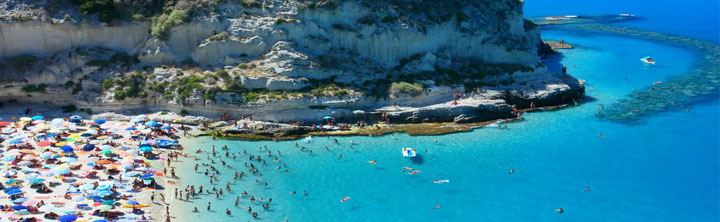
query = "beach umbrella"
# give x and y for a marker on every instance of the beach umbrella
(75, 118)
(37, 118)
(131, 128)
(68, 159)
(152, 124)
(88, 147)
(47, 155)
(35, 180)
(146, 149)
(13, 182)
(106, 152)
(19, 207)
(20, 200)
(7, 130)
(101, 220)
(57, 122)
(11, 173)
(100, 121)
(44, 143)
(68, 218)
(66, 148)
(4, 124)
(104, 207)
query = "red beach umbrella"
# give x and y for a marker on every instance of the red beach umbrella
(44, 143)
(4, 124)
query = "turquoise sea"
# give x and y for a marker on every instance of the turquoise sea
(665, 167)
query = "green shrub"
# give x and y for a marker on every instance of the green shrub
(119, 94)
(105, 9)
(160, 25)
(250, 4)
(184, 112)
(405, 87)
(20, 63)
(34, 88)
(107, 84)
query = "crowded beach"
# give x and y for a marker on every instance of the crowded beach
(76, 169)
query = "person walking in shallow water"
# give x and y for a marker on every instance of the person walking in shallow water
(208, 207)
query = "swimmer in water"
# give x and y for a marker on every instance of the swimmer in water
(373, 162)
(560, 210)
(437, 206)
(511, 171)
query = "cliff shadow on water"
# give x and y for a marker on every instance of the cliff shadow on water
(699, 83)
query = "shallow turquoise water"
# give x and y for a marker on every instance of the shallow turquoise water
(664, 168)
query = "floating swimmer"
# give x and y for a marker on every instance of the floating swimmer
(560, 210)
(413, 172)
(441, 181)
(373, 162)
(345, 199)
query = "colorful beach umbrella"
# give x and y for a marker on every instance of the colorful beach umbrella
(88, 147)
(66, 148)
(37, 118)
(100, 121)
(44, 143)
(68, 218)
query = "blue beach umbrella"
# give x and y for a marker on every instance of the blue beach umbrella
(37, 118)
(18, 207)
(100, 121)
(152, 124)
(20, 200)
(146, 149)
(68, 218)
(147, 176)
(88, 147)
(12, 190)
(36, 180)
(66, 148)
(75, 118)
(131, 128)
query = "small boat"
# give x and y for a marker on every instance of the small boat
(408, 152)
(441, 181)
(648, 60)
(627, 15)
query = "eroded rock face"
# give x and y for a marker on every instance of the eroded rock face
(292, 46)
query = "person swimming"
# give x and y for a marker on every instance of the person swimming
(437, 206)
(345, 199)
(373, 162)
(560, 210)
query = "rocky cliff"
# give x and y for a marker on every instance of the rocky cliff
(281, 60)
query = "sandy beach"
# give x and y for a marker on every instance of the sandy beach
(86, 169)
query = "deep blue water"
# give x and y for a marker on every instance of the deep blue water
(664, 168)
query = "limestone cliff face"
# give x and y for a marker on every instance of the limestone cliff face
(492, 31)
(294, 47)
